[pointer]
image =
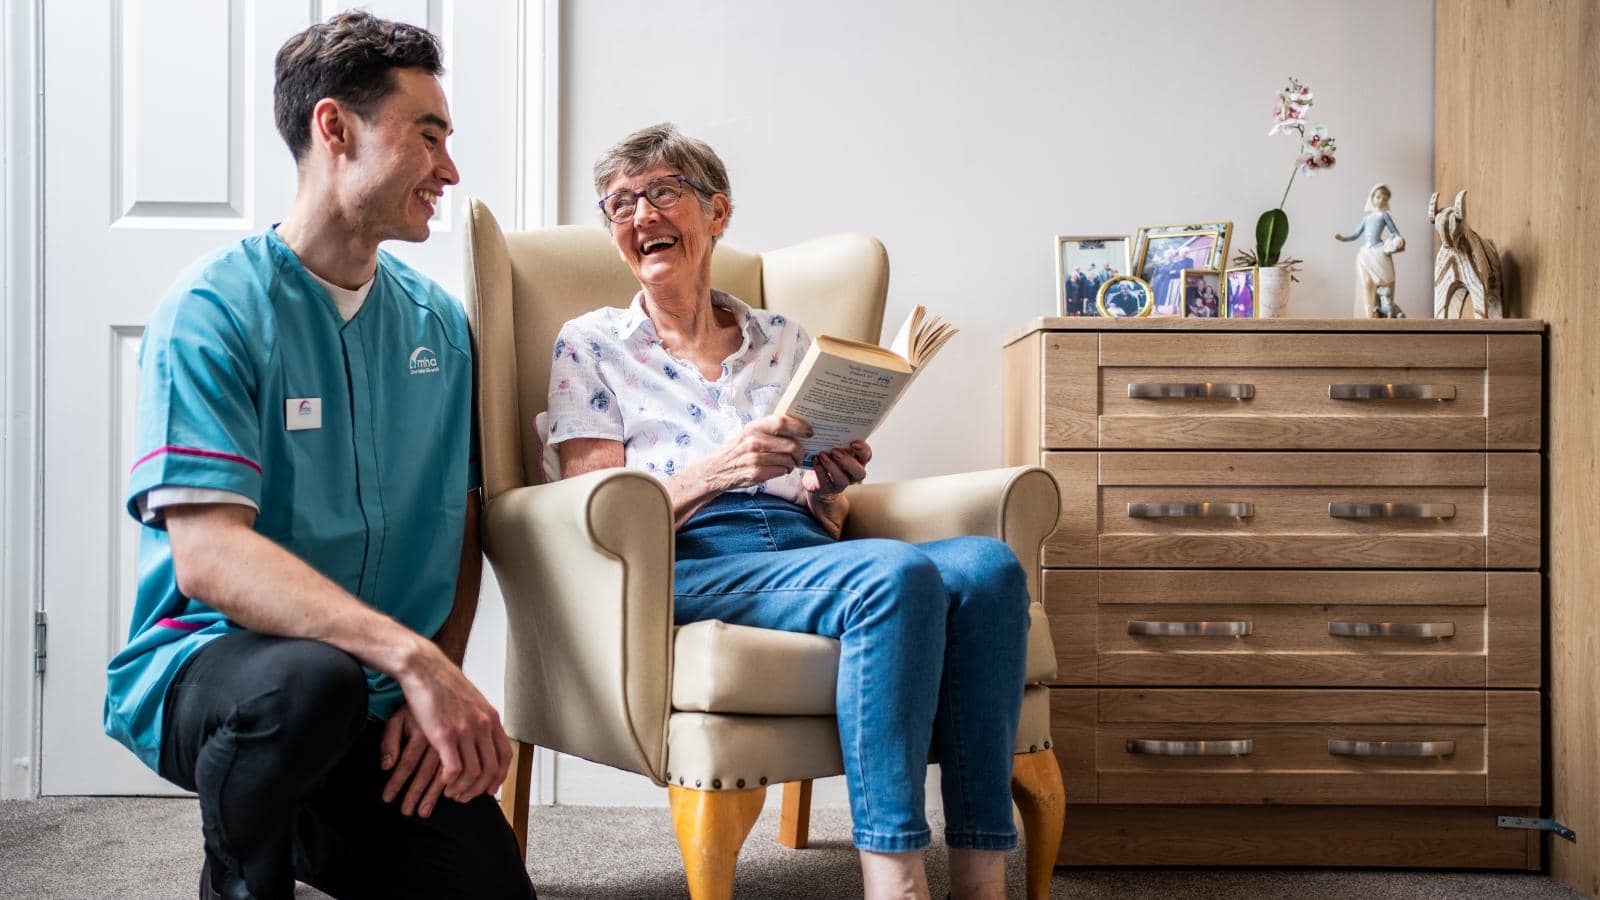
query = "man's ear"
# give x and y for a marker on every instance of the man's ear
(330, 126)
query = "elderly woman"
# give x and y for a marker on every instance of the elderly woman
(681, 383)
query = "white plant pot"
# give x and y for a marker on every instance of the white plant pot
(1275, 284)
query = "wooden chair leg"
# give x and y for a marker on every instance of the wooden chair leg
(1036, 786)
(514, 792)
(711, 826)
(794, 824)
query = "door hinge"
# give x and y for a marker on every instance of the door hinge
(40, 626)
(1537, 825)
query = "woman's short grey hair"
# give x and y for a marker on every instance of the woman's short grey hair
(665, 145)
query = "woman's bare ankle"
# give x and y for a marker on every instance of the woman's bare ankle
(894, 876)
(977, 874)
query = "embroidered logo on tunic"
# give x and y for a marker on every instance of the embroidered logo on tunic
(423, 362)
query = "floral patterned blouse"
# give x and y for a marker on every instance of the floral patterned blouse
(611, 378)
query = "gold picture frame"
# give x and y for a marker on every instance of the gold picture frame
(1253, 280)
(1224, 228)
(1069, 303)
(1216, 258)
(1196, 305)
(1111, 302)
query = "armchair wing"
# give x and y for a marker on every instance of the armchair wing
(585, 565)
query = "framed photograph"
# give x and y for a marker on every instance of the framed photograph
(1223, 229)
(1124, 297)
(1161, 257)
(1243, 286)
(1083, 264)
(1202, 293)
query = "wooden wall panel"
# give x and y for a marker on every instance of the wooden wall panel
(1516, 121)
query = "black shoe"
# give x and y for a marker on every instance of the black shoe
(208, 890)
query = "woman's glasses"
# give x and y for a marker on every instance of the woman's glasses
(663, 193)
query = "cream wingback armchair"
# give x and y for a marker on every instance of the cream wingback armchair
(594, 665)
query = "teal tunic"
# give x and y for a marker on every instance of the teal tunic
(355, 439)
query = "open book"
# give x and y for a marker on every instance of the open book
(844, 389)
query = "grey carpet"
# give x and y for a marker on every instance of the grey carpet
(136, 848)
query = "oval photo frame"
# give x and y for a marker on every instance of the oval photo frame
(1117, 298)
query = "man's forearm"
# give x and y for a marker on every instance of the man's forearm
(222, 562)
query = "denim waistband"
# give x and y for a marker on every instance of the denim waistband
(747, 523)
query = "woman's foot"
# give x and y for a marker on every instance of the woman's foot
(977, 874)
(894, 876)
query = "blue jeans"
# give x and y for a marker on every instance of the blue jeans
(932, 642)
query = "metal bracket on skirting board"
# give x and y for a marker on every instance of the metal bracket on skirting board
(1537, 825)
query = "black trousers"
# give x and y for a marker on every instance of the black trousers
(273, 735)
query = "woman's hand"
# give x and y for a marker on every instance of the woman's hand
(765, 449)
(837, 469)
(825, 482)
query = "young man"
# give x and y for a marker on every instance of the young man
(309, 568)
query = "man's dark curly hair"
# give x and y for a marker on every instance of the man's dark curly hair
(349, 59)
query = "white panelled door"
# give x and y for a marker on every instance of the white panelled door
(159, 147)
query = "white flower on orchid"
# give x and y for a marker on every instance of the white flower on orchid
(1316, 154)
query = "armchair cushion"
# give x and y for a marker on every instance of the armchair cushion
(722, 668)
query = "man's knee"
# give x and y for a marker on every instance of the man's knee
(313, 695)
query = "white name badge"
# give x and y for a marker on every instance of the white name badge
(302, 413)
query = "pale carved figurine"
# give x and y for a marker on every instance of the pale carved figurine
(1374, 265)
(1468, 268)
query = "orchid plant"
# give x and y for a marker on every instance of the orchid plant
(1316, 154)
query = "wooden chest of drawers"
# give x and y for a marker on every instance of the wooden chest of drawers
(1295, 590)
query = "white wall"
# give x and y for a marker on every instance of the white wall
(954, 132)
(966, 135)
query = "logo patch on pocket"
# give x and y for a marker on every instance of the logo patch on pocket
(302, 413)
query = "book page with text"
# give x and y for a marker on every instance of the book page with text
(842, 400)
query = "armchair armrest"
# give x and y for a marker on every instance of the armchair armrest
(585, 565)
(1018, 505)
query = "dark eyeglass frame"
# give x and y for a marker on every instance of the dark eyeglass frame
(640, 195)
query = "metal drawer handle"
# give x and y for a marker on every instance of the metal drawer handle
(1170, 390)
(1351, 509)
(1190, 629)
(1391, 392)
(1145, 747)
(1391, 748)
(1203, 509)
(1392, 629)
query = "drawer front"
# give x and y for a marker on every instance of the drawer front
(1291, 391)
(1282, 510)
(1446, 748)
(1309, 628)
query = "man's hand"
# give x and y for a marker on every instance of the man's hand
(457, 722)
(416, 762)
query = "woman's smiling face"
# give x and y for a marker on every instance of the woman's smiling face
(663, 246)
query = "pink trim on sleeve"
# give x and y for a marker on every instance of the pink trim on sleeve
(190, 451)
(180, 625)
